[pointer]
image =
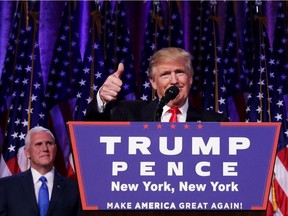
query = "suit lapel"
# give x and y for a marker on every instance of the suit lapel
(148, 111)
(28, 188)
(192, 115)
(58, 187)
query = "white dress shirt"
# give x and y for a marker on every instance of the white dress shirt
(181, 116)
(100, 104)
(37, 183)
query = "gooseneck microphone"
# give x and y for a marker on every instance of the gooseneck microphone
(170, 94)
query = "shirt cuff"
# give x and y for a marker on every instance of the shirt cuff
(100, 105)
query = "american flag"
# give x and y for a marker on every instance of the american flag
(266, 104)
(280, 43)
(117, 46)
(8, 71)
(93, 73)
(258, 104)
(27, 107)
(214, 88)
(61, 85)
(277, 63)
(174, 26)
(235, 82)
(248, 54)
(66, 61)
(197, 54)
(155, 38)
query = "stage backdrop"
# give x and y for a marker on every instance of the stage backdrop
(54, 55)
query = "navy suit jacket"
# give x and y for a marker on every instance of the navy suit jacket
(17, 196)
(137, 110)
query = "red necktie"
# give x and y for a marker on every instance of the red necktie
(174, 112)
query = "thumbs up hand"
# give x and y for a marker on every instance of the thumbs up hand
(112, 85)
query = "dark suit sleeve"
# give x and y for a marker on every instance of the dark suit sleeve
(3, 205)
(65, 199)
(194, 115)
(73, 188)
(115, 111)
(216, 117)
(92, 113)
(79, 205)
(79, 211)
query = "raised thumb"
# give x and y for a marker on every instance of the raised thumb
(120, 70)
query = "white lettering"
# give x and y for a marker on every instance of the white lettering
(177, 146)
(117, 186)
(224, 187)
(146, 168)
(185, 186)
(229, 168)
(238, 143)
(199, 170)
(118, 166)
(149, 186)
(110, 143)
(139, 143)
(177, 169)
(212, 145)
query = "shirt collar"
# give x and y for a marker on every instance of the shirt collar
(36, 175)
(182, 109)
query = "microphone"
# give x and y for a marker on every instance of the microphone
(170, 94)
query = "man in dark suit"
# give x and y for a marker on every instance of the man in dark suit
(168, 67)
(20, 193)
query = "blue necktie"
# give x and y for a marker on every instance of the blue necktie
(43, 198)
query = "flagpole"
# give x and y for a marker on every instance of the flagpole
(214, 19)
(95, 21)
(34, 14)
(158, 22)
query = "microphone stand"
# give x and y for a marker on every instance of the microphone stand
(170, 94)
(158, 113)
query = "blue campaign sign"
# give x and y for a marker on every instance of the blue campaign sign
(157, 166)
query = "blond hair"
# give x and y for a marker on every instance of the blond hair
(170, 54)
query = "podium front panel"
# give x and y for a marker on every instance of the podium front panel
(178, 166)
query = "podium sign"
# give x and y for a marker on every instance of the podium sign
(157, 166)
